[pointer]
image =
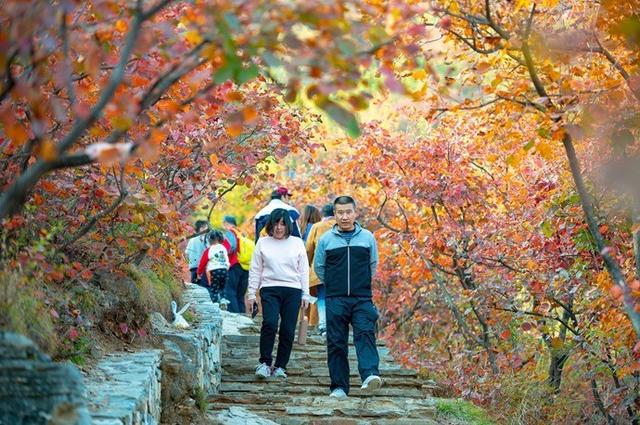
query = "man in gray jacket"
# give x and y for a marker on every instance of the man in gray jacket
(345, 261)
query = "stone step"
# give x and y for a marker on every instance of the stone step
(298, 351)
(297, 420)
(289, 388)
(312, 340)
(235, 367)
(327, 407)
(297, 363)
(324, 381)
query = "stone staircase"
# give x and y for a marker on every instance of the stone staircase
(303, 397)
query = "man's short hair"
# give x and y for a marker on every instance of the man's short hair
(229, 219)
(277, 215)
(344, 200)
(327, 210)
(200, 224)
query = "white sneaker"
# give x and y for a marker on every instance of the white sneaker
(372, 383)
(224, 301)
(263, 371)
(279, 373)
(338, 393)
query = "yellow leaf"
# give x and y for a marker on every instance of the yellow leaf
(193, 37)
(545, 150)
(121, 122)
(419, 74)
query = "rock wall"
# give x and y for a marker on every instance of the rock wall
(34, 390)
(191, 362)
(131, 388)
(124, 389)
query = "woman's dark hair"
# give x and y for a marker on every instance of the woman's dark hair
(327, 210)
(200, 224)
(310, 215)
(276, 216)
(215, 236)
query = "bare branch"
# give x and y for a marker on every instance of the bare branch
(67, 60)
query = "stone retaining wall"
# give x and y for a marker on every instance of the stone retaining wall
(191, 361)
(124, 389)
(131, 388)
(34, 390)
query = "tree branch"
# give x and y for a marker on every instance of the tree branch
(92, 222)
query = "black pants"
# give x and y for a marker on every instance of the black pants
(194, 275)
(237, 288)
(362, 315)
(282, 303)
(236, 303)
(218, 282)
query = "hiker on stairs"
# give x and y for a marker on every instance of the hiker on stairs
(345, 261)
(280, 270)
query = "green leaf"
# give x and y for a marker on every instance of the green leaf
(529, 145)
(546, 229)
(343, 117)
(224, 73)
(247, 74)
(544, 133)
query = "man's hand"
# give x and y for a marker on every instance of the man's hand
(305, 304)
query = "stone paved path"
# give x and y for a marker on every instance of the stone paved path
(303, 397)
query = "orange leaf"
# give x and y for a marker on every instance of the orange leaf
(234, 130)
(17, 134)
(157, 136)
(249, 114)
(121, 25)
(234, 96)
(47, 150)
(214, 159)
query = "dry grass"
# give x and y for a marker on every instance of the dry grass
(22, 309)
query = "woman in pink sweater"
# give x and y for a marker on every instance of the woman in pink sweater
(280, 269)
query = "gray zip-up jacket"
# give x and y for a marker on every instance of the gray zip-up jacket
(346, 269)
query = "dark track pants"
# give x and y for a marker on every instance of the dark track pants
(282, 303)
(231, 291)
(362, 315)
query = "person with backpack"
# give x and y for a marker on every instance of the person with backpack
(217, 266)
(279, 199)
(242, 249)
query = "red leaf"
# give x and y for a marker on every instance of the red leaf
(124, 328)
(73, 334)
(506, 334)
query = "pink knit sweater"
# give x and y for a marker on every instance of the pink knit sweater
(279, 262)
